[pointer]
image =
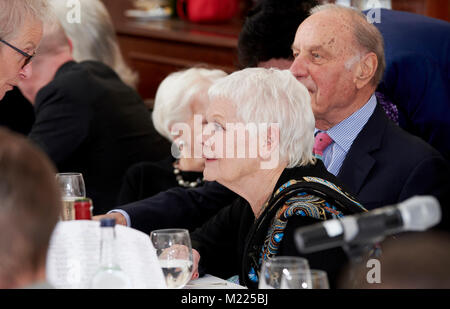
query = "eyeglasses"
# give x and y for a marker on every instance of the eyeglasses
(27, 56)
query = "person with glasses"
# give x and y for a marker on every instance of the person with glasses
(20, 34)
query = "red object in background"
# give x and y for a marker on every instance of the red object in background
(207, 10)
(83, 209)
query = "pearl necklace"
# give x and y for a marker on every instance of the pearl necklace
(181, 181)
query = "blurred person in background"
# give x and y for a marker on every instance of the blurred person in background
(87, 119)
(180, 97)
(268, 31)
(30, 205)
(94, 38)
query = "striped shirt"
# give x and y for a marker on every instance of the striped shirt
(343, 135)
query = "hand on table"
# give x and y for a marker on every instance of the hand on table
(196, 260)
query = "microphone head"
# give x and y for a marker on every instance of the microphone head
(419, 213)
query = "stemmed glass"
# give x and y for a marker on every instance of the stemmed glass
(72, 187)
(174, 251)
(310, 279)
(272, 270)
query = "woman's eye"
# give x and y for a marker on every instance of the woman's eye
(217, 126)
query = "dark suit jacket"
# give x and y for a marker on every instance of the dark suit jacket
(16, 113)
(384, 166)
(89, 121)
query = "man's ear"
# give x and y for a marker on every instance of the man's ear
(365, 70)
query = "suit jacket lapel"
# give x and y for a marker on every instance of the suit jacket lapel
(359, 160)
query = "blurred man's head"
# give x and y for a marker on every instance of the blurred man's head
(55, 50)
(409, 261)
(29, 210)
(268, 32)
(339, 57)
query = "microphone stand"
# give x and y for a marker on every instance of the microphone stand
(358, 253)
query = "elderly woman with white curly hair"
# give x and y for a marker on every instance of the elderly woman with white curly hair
(281, 185)
(180, 98)
(20, 33)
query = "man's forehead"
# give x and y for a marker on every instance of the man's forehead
(323, 29)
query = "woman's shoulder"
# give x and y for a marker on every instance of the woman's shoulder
(314, 174)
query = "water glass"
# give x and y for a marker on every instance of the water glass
(309, 279)
(273, 269)
(174, 251)
(72, 187)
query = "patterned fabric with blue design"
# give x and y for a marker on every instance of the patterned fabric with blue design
(310, 197)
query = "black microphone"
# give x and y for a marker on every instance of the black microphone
(414, 214)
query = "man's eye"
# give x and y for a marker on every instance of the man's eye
(316, 55)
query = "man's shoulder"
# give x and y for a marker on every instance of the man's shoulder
(85, 73)
(86, 82)
(383, 138)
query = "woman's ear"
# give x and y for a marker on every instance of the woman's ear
(269, 141)
(269, 150)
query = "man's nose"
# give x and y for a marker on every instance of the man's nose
(299, 67)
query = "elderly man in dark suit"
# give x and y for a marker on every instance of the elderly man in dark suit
(339, 57)
(377, 160)
(87, 119)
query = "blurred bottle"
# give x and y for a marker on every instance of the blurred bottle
(109, 275)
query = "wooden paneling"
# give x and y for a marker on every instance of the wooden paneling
(158, 47)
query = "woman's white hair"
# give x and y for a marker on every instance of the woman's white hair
(94, 38)
(177, 92)
(13, 13)
(273, 96)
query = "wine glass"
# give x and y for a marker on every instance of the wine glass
(273, 269)
(309, 279)
(72, 187)
(174, 251)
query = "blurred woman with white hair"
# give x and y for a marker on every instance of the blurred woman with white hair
(94, 38)
(20, 33)
(281, 184)
(180, 97)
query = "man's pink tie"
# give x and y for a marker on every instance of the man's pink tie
(321, 142)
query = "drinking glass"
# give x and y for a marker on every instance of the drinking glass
(174, 251)
(272, 270)
(72, 187)
(309, 279)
